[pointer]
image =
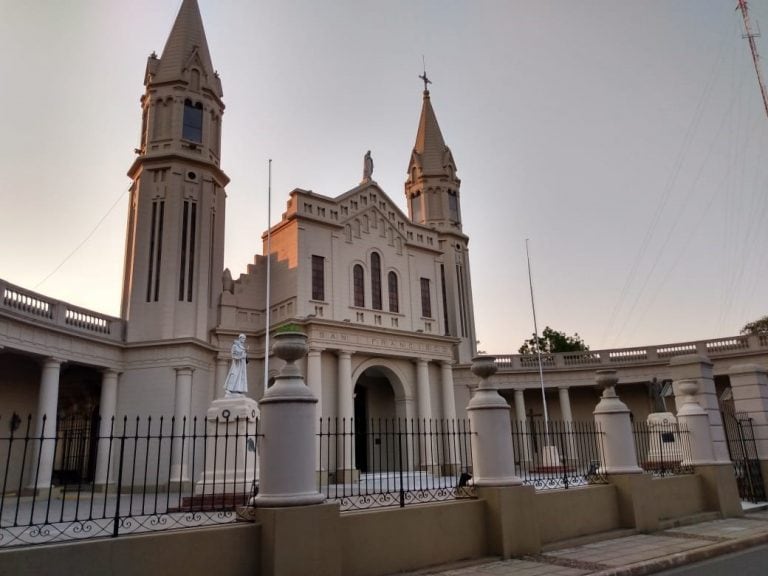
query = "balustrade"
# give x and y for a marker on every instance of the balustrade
(55, 312)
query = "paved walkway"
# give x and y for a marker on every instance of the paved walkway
(629, 555)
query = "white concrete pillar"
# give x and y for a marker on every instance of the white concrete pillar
(693, 418)
(287, 470)
(346, 414)
(450, 446)
(182, 425)
(41, 466)
(493, 457)
(749, 383)
(315, 383)
(567, 415)
(424, 425)
(522, 440)
(565, 404)
(222, 367)
(449, 396)
(699, 367)
(107, 454)
(617, 444)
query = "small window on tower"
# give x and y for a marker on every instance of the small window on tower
(193, 121)
(453, 205)
(318, 278)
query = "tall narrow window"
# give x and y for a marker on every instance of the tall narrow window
(445, 299)
(318, 278)
(426, 300)
(416, 207)
(376, 281)
(358, 282)
(155, 250)
(394, 299)
(187, 264)
(453, 205)
(193, 121)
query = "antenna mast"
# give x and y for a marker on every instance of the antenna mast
(750, 36)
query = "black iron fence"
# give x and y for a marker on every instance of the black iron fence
(557, 454)
(60, 480)
(742, 448)
(393, 461)
(663, 449)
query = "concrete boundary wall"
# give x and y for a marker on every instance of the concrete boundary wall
(566, 514)
(398, 539)
(679, 496)
(230, 550)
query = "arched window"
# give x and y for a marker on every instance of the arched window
(376, 281)
(193, 121)
(394, 300)
(358, 284)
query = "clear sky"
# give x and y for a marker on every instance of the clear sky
(627, 140)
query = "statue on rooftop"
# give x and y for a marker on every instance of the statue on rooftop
(367, 167)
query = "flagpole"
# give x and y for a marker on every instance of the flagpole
(538, 347)
(269, 267)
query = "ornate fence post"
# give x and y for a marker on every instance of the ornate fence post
(287, 467)
(298, 530)
(493, 457)
(511, 505)
(637, 506)
(695, 420)
(617, 446)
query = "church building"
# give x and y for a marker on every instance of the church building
(384, 297)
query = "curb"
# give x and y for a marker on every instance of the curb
(684, 558)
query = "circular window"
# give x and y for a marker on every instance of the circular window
(191, 175)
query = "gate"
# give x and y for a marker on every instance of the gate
(742, 448)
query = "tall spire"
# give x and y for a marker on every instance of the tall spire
(186, 46)
(430, 150)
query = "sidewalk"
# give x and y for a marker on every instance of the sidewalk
(632, 555)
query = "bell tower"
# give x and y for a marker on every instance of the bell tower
(432, 191)
(175, 242)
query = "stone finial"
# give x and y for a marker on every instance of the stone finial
(484, 366)
(607, 380)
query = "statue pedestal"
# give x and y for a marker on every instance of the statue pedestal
(231, 462)
(664, 440)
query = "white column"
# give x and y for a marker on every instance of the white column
(222, 367)
(449, 397)
(522, 445)
(424, 425)
(182, 425)
(449, 427)
(107, 454)
(749, 383)
(565, 404)
(567, 415)
(41, 467)
(346, 415)
(315, 383)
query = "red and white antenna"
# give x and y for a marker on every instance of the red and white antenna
(750, 36)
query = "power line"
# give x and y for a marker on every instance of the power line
(88, 237)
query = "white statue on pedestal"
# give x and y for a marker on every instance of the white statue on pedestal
(236, 383)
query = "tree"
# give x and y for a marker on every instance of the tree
(554, 341)
(756, 327)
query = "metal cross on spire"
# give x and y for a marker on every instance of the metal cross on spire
(424, 75)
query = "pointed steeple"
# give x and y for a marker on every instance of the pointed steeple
(432, 169)
(187, 48)
(430, 145)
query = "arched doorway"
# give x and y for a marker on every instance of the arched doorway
(375, 421)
